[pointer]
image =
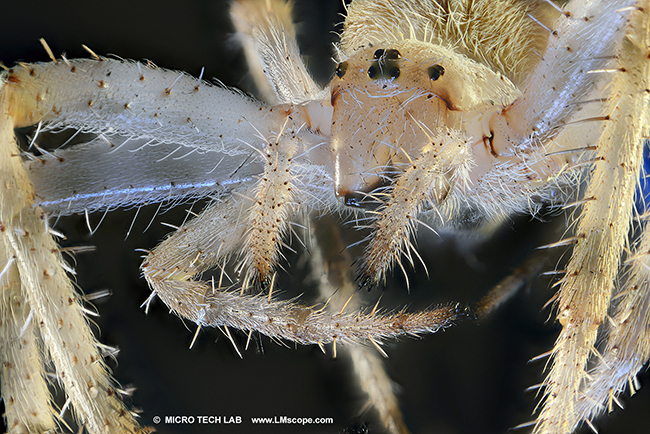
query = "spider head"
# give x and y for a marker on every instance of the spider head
(389, 100)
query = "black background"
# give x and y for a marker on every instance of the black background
(468, 379)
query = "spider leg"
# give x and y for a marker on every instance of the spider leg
(332, 270)
(444, 165)
(51, 301)
(215, 236)
(24, 389)
(113, 171)
(105, 97)
(137, 101)
(601, 233)
(266, 32)
(268, 216)
(628, 339)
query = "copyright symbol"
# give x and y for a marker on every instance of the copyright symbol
(156, 419)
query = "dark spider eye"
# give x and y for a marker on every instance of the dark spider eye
(372, 72)
(392, 54)
(394, 72)
(341, 69)
(435, 72)
(378, 53)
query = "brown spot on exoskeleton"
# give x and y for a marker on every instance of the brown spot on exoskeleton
(489, 144)
(335, 97)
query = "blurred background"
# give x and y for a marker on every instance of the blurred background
(468, 379)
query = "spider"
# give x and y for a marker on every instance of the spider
(382, 303)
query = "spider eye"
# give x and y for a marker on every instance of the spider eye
(394, 72)
(372, 71)
(435, 72)
(392, 54)
(341, 69)
(378, 53)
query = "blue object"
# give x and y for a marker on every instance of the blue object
(642, 197)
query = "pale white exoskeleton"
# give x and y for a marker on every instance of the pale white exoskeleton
(441, 188)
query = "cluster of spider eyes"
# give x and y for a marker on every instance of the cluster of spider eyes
(385, 66)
